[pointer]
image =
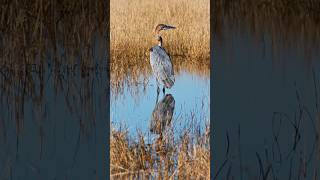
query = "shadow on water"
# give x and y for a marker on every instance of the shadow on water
(268, 70)
(162, 114)
(191, 100)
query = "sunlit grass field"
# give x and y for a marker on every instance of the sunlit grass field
(132, 25)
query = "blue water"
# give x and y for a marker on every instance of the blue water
(191, 93)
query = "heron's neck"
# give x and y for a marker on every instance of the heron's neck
(159, 41)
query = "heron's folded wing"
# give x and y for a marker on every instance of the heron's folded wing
(161, 63)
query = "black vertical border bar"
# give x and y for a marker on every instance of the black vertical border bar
(106, 141)
(212, 67)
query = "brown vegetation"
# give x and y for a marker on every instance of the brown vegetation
(163, 158)
(132, 26)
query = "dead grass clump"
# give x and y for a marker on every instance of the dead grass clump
(162, 158)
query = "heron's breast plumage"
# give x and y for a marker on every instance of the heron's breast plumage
(162, 66)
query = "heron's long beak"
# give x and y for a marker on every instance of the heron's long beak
(168, 27)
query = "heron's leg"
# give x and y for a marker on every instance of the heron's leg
(158, 91)
(157, 99)
(164, 90)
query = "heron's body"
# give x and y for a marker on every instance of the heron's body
(160, 61)
(161, 66)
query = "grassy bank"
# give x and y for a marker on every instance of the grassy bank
(163, 158)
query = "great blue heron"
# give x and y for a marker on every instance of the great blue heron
(160, 61)
(162, 114)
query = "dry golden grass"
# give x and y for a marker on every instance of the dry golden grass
(161, 159)
(132, 25)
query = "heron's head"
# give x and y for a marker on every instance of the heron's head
(160, 27)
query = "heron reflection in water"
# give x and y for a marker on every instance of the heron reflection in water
(162, 114)
(160, 61)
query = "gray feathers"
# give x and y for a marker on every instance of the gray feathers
(161, 66)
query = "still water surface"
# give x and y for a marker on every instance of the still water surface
(191, 95)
